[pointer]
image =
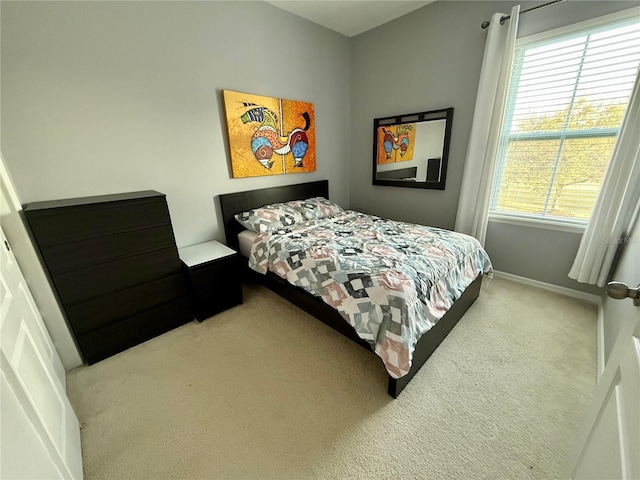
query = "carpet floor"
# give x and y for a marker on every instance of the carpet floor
(265, 391)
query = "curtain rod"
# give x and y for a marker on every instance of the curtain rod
(506, 17)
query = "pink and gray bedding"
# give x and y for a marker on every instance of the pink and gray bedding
(391, 281)
(269, 218)
(316, 208)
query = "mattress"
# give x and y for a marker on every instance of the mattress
(245, 240)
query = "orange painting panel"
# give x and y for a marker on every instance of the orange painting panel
(269, 136)
(395, 143)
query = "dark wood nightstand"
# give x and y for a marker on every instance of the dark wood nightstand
(213, 277)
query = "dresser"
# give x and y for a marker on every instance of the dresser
(113, 262)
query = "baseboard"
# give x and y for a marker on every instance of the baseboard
(568, 292)
(587, 297)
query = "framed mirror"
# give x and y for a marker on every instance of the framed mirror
(412, 150)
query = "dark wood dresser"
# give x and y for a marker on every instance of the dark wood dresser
(114, 265)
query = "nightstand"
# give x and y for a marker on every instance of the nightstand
(213, 277)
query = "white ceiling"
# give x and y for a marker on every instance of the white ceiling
(350, 17)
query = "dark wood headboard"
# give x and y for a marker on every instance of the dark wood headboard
(233, 203)
(410, 172)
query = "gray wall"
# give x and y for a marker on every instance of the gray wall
(105, 97)
(431, 59)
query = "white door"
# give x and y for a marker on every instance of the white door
(608, 443)
(39, 432)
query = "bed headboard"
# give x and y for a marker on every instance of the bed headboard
(233, 203)
(410, 172)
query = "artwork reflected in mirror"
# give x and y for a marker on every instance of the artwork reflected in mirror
(412, 150)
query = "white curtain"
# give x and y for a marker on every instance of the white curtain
(473, 206)
(617, 204)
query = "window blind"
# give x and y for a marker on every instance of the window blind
(565, 104)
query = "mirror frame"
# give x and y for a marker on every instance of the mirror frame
(443, 114)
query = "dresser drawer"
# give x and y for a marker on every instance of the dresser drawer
(98, 280)
(72, 256)
(101, 311)
(69, 224)
(116, 337)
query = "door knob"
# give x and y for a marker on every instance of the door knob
(619, 290)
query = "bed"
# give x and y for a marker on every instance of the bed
(235, 203)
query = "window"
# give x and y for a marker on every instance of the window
(566, 101)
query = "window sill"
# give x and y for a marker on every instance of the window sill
(545, 224)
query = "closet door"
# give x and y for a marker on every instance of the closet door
(39, 432)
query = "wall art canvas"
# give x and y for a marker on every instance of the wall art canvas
(395, 143)
(269, 136)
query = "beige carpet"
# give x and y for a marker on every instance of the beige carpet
(264, 391)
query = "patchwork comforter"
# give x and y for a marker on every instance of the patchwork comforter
(391, 281)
